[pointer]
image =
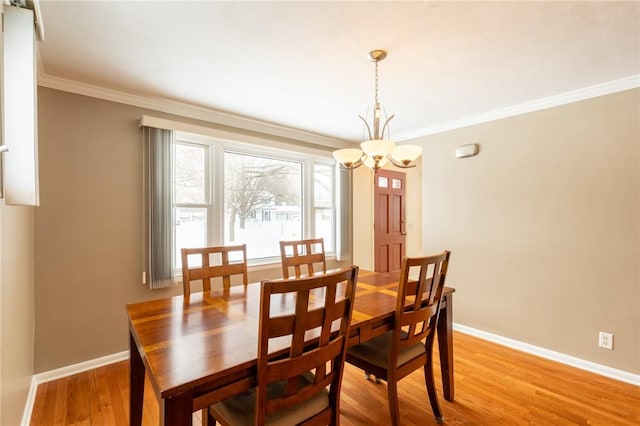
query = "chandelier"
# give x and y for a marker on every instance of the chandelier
(378, 151)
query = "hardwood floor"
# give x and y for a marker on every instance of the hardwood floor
(494, 386)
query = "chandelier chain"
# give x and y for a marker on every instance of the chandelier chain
(376, 83)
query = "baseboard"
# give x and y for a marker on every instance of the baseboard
(70, 370)
(59, 373)
(603, 370)
(31, 399)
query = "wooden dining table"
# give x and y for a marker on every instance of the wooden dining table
(201, 349)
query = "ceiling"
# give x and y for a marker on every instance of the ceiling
(304, 64)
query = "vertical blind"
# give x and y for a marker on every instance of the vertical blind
(158, 207)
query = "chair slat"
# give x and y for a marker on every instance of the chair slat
(205, 271)
(302, 253)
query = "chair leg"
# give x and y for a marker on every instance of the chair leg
(207, 418)
(367, 376)
(394, 410)
(431, 391)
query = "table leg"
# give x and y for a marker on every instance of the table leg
(177, 410)
(445, 347)
(136, 384)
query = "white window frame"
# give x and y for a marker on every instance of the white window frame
(313, 208)
(215, 181)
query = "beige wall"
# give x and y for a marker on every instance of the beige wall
(546, 217)
(17, 310)
(88, 228)
(363, 218)
(88, 249)
(413, 211)
(544, 226)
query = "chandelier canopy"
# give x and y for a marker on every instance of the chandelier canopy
(378, 151)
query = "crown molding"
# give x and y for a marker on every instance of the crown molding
(607, 88)
(246, 123)
(188, 110)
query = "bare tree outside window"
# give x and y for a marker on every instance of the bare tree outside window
(262, 201)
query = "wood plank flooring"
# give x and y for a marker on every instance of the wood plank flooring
(494, 386)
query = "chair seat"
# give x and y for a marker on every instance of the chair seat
(376, 351)
(240, 410)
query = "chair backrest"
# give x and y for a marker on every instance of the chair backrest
(214, 262)
(418, 304)
(311, 337)
(302, 253)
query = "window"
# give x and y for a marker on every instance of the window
(323, 204)
(191, 196)
(228, 194)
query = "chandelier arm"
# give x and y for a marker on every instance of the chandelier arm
(366, 124)
(399, 164)
(360, 162)
(355, 165)
(386, 123)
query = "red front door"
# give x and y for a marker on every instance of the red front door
(388, 224)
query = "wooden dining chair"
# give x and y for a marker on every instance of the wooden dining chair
(214, 263)
(301, 354)
(295, 254)
(399, 352)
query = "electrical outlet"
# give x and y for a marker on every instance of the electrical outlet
(605, 340)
